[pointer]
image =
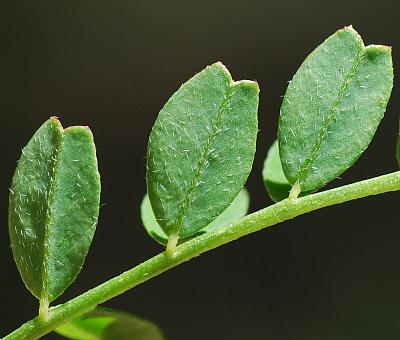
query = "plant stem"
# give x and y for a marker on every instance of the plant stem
(279, 212)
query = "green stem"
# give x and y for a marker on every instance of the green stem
(279, 212)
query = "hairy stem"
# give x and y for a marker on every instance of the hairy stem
(279, 212)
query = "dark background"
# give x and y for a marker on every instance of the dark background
(330, 275)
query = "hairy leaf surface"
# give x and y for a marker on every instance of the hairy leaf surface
(53, 207)
(237, 209)
(332, 108)
(201, 150)
(109, 324)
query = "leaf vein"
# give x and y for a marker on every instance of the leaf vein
(198, 171)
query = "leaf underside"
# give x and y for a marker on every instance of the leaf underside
(109, 324)
(237, 209)
(53, 207)
(201, 150)
(274, 179)
(332, 108)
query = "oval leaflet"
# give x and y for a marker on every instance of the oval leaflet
(332, 108)
(109, 324)
(53, 208)
(201, 150)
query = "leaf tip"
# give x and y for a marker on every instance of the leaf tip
(220, 66)
(377, 49)
(248, 84)
(53, 120)
(351, 30)
(381, 53)
(80, 130)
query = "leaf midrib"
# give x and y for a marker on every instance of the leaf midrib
(304, 170)
(48, 220)
(202, 162)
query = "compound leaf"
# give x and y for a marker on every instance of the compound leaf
(237, 209)
(53, 207)
(332, 108)
(201, 150)
(109, 324)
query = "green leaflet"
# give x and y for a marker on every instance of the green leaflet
(274, 179)
(332, 108)
(150, 223)
(53, 207)
(109, 324)
(201, 150)
(237, 209)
